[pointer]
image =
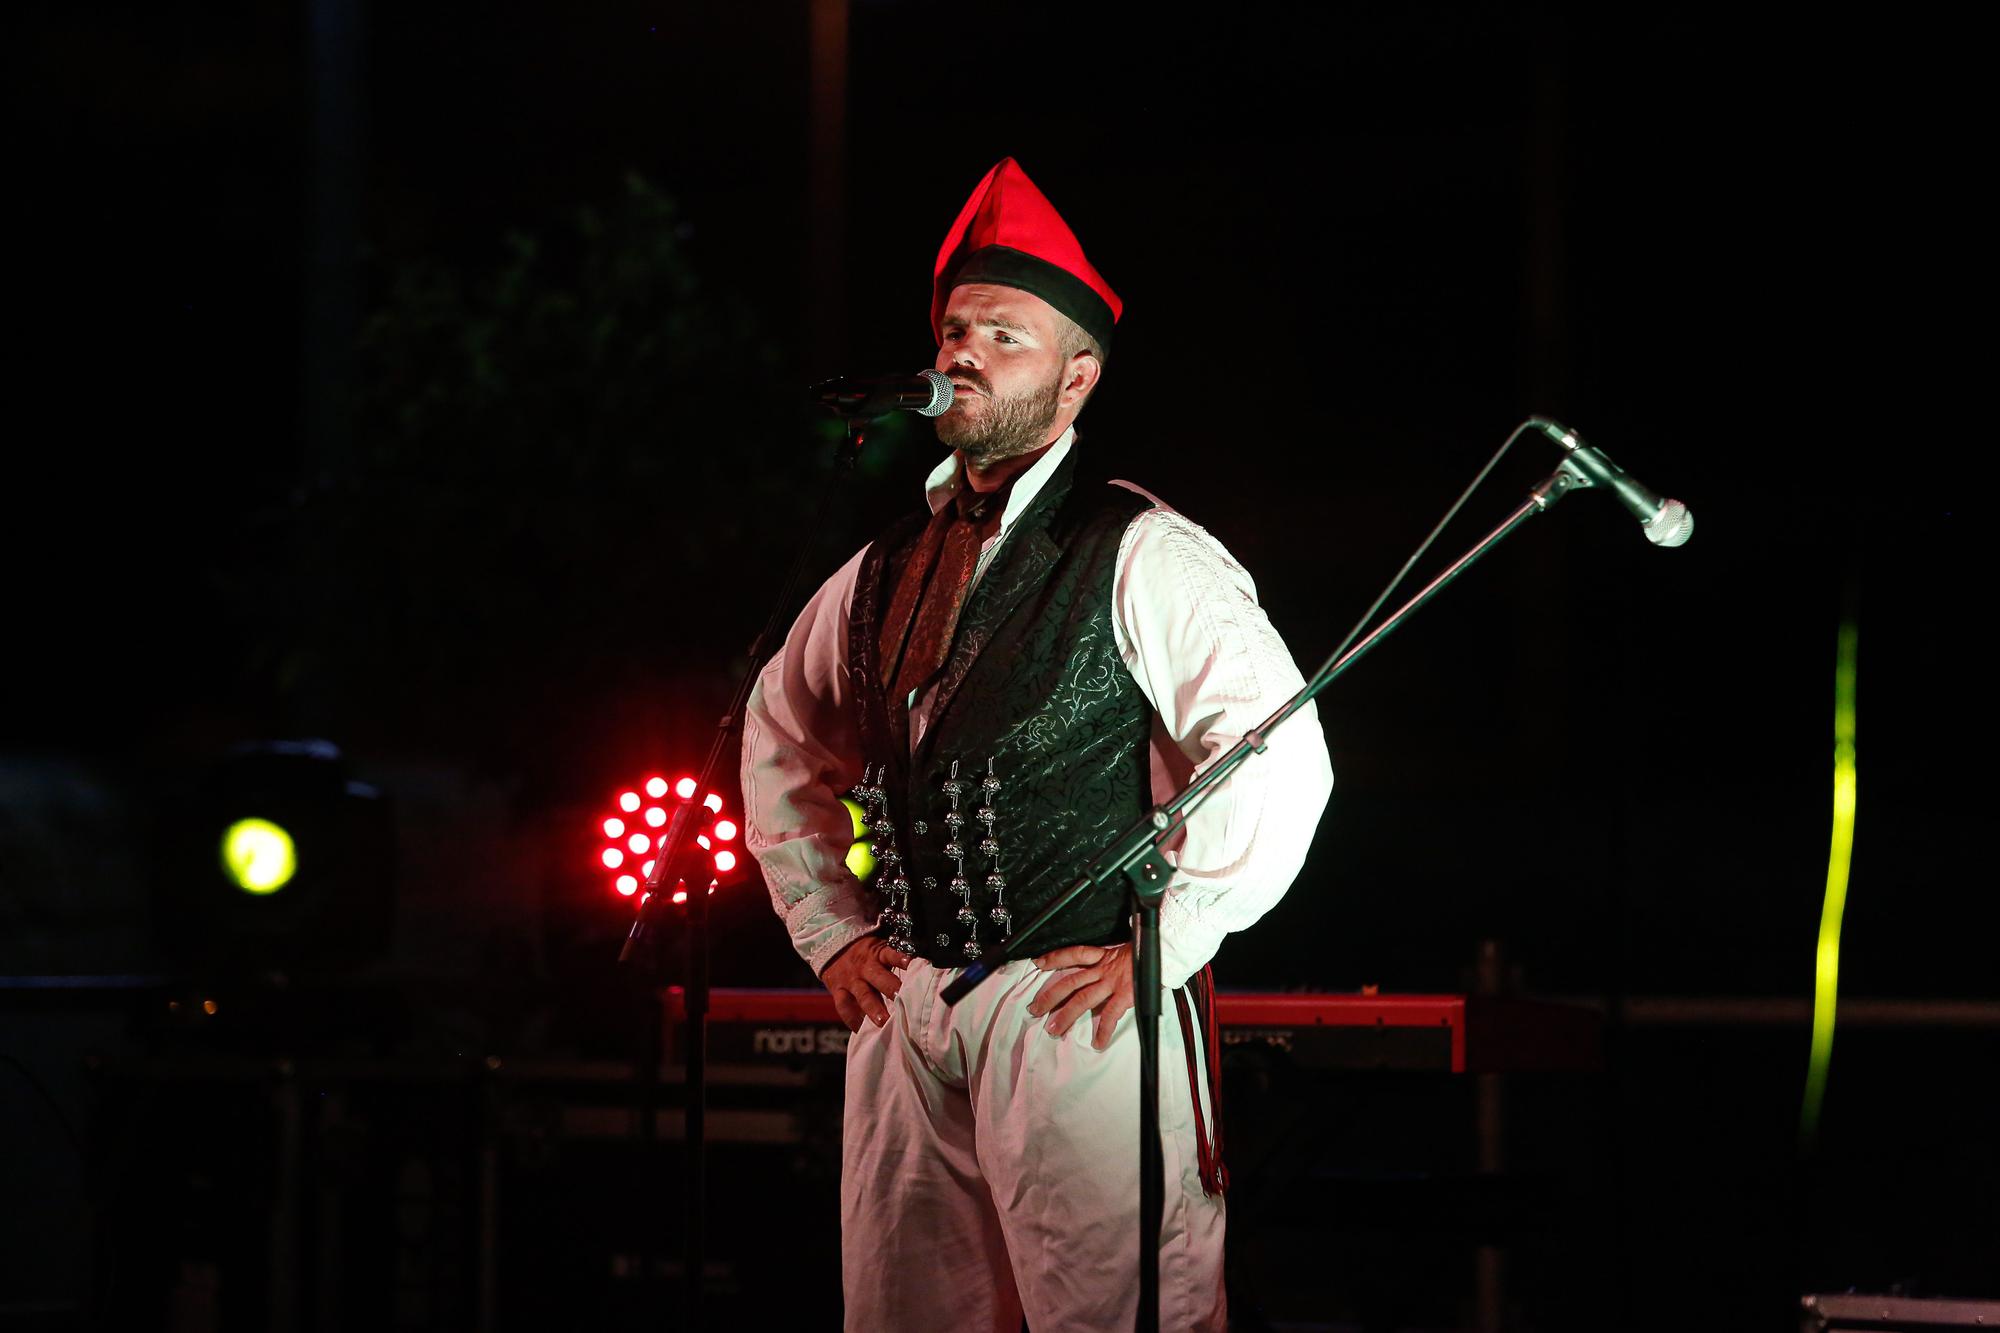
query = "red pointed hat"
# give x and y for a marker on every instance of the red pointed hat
(1010, 234)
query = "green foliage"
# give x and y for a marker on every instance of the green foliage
(551, 457)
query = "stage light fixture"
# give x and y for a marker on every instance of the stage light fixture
(259, 855)
(860, 857)
(710, 829)
(280, 861)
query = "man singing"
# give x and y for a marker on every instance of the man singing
(1006, 679)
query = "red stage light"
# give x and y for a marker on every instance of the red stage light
(637, 836)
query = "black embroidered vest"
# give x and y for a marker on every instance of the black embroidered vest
(1036, 752)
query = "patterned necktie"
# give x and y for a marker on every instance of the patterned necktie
(923, 612)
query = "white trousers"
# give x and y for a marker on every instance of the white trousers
(989, 1169)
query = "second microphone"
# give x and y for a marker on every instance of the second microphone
(928, 393)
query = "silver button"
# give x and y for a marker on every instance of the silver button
(921, 826)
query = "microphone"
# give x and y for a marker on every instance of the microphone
(928, 393)
(1666, 522)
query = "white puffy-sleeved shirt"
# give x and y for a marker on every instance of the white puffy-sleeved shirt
(1190, 631)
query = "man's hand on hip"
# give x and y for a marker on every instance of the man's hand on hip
(861, 978)
(1098, 980)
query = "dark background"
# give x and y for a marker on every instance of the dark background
(424, 379)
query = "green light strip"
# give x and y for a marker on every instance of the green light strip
(1840, 856)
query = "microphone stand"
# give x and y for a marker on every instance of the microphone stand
(1135, 855)
(639, 948)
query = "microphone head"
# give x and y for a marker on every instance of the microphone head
(941, 394)
(1672, 526)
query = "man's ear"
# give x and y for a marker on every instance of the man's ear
(1080, 377)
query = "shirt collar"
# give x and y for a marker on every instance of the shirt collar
(944, 481)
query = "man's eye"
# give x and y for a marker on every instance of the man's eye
(1003, 337)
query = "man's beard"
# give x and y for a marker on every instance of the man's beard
(1007, 428)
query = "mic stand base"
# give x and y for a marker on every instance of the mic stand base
(1149, 876)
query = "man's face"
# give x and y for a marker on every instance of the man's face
(1002, 349)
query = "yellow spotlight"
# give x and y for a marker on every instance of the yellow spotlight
(259, 856)
(859, 859)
